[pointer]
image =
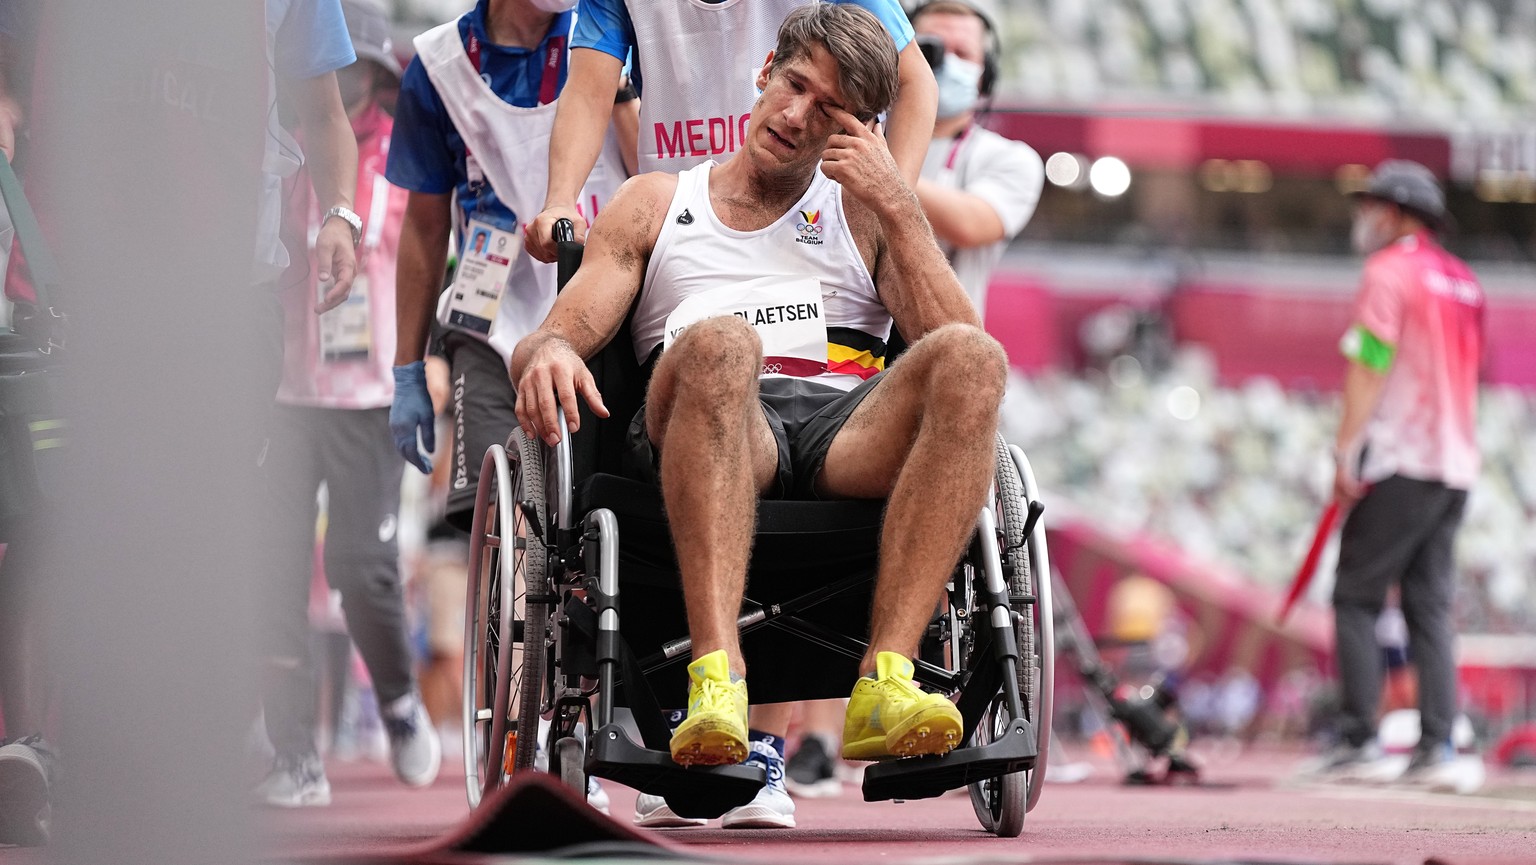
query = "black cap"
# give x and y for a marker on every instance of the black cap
(1410, 186)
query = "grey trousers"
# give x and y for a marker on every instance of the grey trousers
(352, 453)
(1401, 533)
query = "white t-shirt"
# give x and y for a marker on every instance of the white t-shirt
(1006, 174)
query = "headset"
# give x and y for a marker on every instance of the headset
(934, 50)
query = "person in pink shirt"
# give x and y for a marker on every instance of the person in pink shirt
(1406, 456)
(331, 426)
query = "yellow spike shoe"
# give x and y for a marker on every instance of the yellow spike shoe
(889, 717)
(715, 731)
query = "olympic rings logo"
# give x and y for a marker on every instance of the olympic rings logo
(772, 368)
(807, 228)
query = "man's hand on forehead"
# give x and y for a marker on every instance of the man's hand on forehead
(845, 118)
(858, 159)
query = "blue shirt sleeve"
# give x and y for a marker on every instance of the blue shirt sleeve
(604, 25)
(312, 40)
(891, 15)
(420, 157)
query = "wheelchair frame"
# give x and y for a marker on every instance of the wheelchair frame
(996, 597)
(543, 639)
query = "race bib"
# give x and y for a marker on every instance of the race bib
(482, 276)
(786, 312)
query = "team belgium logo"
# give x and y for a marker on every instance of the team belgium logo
(809, 227)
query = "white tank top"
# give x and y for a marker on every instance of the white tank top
(708, 54)
(695, 253)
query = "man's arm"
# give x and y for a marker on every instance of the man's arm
(549, 365)
(914, 279)
(331, 152)
(586, 102)
(418, 277)
(1002, 185)
(909, 125)
(419, 271)
(961, 219)
(1362, 391)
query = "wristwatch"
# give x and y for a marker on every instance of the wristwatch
(352, 220)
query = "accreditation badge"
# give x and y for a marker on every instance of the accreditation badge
(787, 313)
(482, 276)
(346, 332)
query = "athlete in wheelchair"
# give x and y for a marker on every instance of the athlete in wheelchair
(775, 473)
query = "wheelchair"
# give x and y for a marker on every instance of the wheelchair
(559, 675)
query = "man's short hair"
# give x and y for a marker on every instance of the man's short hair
(858, 42)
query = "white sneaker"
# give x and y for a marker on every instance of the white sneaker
(771, 808)
(294, 782)
(414, 750)
(1358, 764)
(1442, 770)
(597, 797)
(24, 801)
(652, 812)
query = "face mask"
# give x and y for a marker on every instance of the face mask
(959, 81)
(1368, 233)
(554, 7)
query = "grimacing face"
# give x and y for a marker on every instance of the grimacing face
(790, 122)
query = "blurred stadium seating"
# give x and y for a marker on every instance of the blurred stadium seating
(1238, 475)
(1370, 60)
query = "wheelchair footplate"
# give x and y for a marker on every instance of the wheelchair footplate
(701, 791)
(929, 777)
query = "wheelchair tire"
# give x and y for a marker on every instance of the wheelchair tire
(484, 702)
(1001, 803)
(504, 636)
(526, 681)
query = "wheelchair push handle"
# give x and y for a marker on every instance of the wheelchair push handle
(567, 252)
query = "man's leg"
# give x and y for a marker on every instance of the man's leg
(1427, 597)
(483, 408)
(926, 439)
(717, 454)
(290, 695)
(1378, 538)
(703, 414)
(362, 562)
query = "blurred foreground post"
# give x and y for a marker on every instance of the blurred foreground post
(148, 135)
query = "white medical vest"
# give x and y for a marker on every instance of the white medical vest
(511, 145)
(695, 253)
(707, 55)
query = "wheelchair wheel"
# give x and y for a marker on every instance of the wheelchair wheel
(1001, 803)
(1043, 694)
(570, 753)
(504, 635)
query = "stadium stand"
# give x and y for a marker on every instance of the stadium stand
(1434, 61)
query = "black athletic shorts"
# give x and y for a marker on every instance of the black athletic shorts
(804, 415)
(484, 413)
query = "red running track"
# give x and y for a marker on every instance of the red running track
(1247, 811)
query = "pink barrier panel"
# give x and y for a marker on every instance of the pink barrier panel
(1231, 622)
(1290, 335)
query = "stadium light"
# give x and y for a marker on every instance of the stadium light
(1109, 176)
(1065, 169)
(1184, 402)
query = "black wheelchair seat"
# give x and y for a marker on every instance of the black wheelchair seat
(813, 564)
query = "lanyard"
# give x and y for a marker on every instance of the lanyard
(954, 149)
(549, 79)
(549, 82)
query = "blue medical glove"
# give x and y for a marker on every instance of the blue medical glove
(412, 411)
